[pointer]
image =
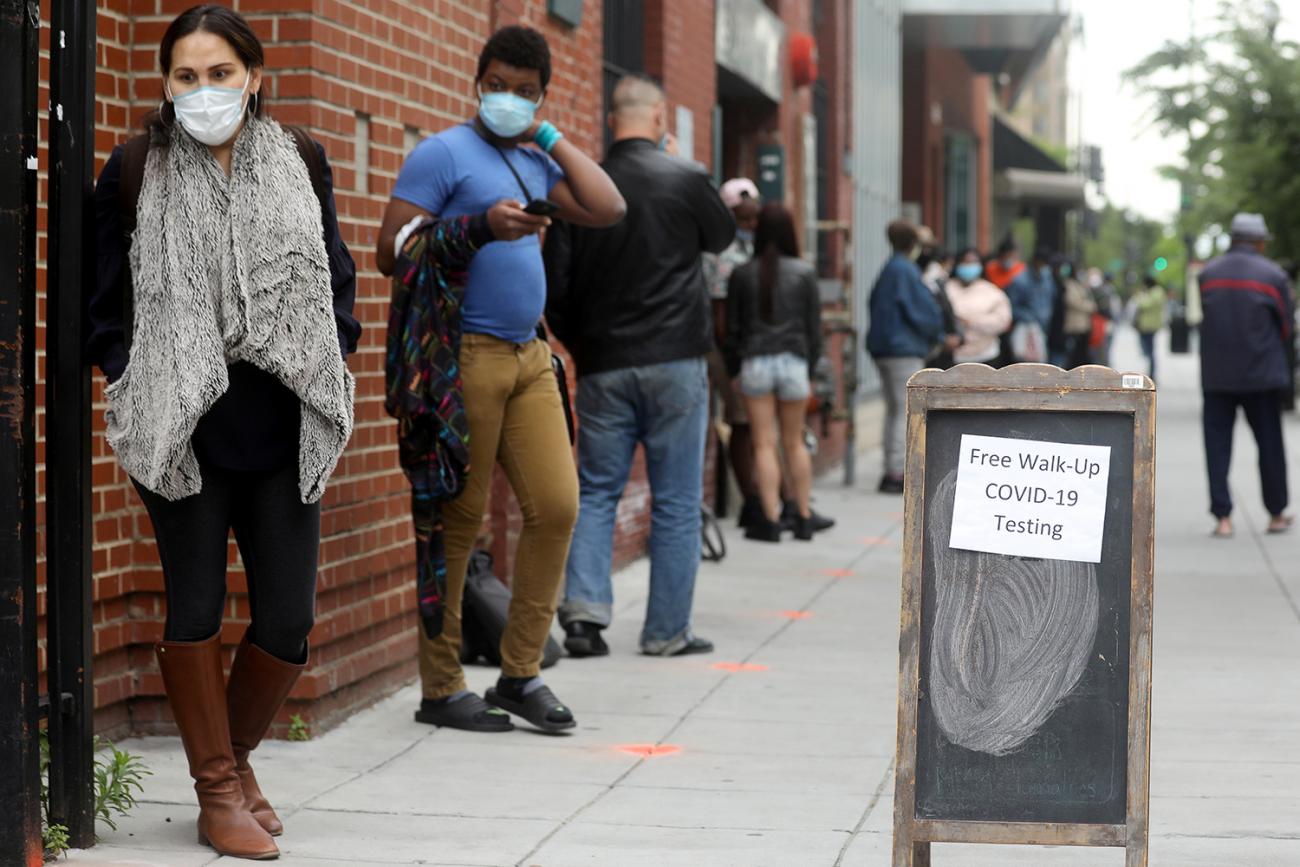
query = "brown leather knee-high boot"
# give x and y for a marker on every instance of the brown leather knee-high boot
(259, 684)
(196, 689)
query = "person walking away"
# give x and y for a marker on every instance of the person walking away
(905, 324)
(983, 312)
(1249, 316)
(492, 174)
(773, 336)
(741, 196)
(630, 304)
(1032, 295)
(1079, 305)
(1149, 306)
(219, 225)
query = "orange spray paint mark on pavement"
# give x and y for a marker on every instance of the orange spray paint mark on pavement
(872, 541)
(738, 666)
(647, 751)
(838, 573)
(796, 615)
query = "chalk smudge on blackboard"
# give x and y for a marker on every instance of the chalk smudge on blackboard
(1011, 637)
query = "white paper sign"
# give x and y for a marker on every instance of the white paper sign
(1027, 498)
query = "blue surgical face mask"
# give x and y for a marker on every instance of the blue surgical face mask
(969, 272)
(506, 114)
(745, 236)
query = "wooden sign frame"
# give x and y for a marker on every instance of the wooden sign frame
(1027, 388)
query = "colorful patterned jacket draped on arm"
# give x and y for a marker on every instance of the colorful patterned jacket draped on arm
(424, 390)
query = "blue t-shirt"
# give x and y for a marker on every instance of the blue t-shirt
(455, 174)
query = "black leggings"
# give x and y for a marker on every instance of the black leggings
(279, 541)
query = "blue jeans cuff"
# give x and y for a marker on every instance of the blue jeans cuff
(581, 611)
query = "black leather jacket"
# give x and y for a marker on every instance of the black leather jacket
(796, 325)
(634, 294)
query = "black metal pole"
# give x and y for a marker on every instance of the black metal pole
(69, 270)
(20, 809)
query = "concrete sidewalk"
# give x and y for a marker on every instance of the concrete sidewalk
(777, 749)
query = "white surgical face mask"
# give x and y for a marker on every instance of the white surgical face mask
(212, 114)
(506, 114)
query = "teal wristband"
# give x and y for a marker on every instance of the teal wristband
(547, 136)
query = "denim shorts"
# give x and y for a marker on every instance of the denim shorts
(784, 374)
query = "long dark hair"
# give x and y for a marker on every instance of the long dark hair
(774, 237)
(218, 20)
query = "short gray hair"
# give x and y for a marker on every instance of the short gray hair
(635, 94)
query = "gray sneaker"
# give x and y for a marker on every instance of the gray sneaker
(685, 644)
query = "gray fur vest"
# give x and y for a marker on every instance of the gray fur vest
(226, 270)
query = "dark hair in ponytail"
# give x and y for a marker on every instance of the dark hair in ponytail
(773, 238)
(220, 21)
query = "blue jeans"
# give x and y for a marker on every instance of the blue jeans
(665, 408)
(1148, 342)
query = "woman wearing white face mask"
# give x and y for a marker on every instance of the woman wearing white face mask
(982, 309)
(222, 319)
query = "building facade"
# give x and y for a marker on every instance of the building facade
(966, 64)
(369, 79)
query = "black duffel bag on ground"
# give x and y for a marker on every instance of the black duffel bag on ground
(483, 612)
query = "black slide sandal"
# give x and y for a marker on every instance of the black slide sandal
(471, 714)
(536, 707)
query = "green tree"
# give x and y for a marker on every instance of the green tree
(1127, 245)
(1235, 95)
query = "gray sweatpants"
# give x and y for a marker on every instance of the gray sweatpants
(894, 374)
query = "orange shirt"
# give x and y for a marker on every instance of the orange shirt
(1000, 275)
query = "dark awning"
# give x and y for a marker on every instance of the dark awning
(1011, 150)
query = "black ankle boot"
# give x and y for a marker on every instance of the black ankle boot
(583, 639)
(764, 531)
(804, 528)
(790, 518)
(751, 513)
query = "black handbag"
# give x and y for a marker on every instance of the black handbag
(485, 608)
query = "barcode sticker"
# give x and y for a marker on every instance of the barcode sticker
(1133, 380)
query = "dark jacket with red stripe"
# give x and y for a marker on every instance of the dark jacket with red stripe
(1249, 316)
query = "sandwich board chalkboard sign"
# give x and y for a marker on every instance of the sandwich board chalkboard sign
(1025, 671)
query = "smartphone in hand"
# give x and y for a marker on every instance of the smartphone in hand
(541, 208)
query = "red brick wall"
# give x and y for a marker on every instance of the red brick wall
(936, 76)
(679, 49)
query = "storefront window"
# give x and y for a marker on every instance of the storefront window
(624, 47)
(959, 192)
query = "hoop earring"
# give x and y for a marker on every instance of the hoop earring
(252, 106)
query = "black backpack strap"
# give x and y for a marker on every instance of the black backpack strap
(135, 153)
(311, 158)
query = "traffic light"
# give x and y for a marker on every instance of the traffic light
(1161, 264)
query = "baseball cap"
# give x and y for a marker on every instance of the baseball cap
(1250, 227)
(737, 189)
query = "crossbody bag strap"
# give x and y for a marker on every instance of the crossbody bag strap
(528, 196)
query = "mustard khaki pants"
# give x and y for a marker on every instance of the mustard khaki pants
(515, 419)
